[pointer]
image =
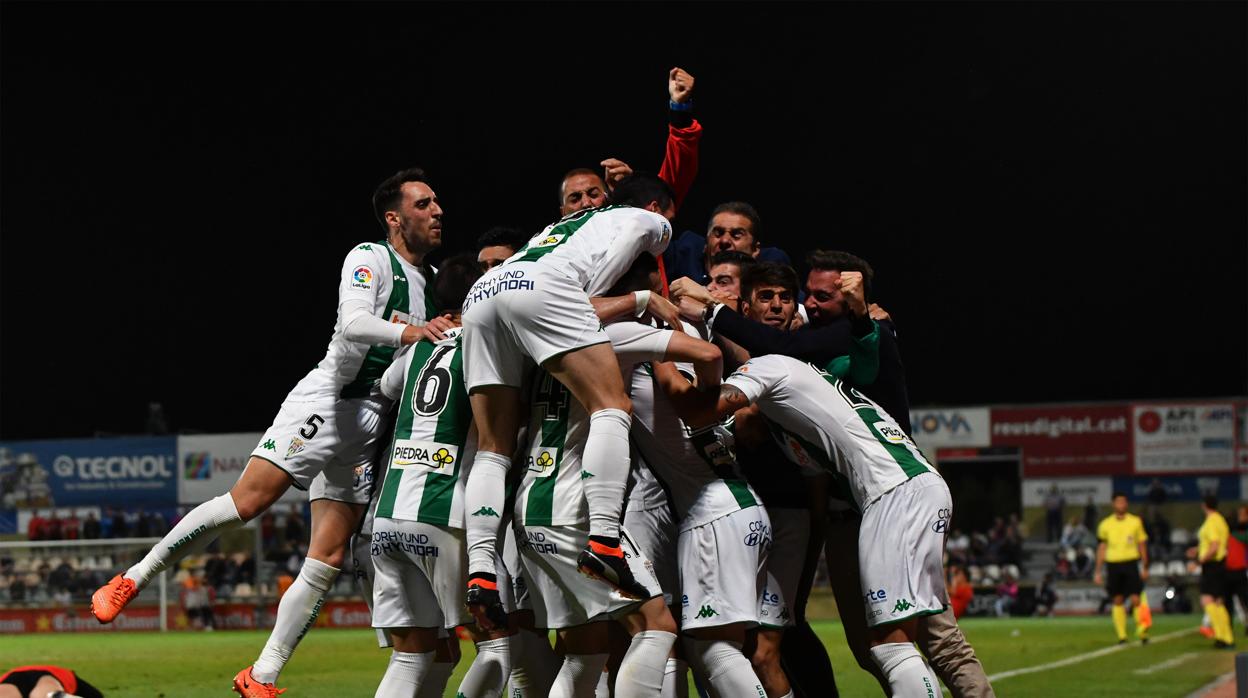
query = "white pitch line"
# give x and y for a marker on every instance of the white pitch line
(1083, 657)
(1168, 664)
(1212, 685)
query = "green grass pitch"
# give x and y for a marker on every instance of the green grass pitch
(334, 662)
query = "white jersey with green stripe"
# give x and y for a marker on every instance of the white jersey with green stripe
(699, 492)
(550, 491)
(822, 423)
(594, 247)
(396, 292)
(434, 437)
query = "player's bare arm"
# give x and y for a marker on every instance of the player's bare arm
(708, 361)
(1100, 561)
(636, 304)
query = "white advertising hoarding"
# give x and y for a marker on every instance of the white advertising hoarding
(209, 465)
(1184, 438)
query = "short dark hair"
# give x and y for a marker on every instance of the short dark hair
(575, 172)
(503, 236)
(637, 278)
(837, 260)
(388, 193)
(741, 209)
(741, 259)
(456, 275)
(767, 274)
(1211, 501)
(639, 189)
(1117, 495)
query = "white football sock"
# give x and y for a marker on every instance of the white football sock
(533, 669)
(578, 676)
(296, 613)
(194, 532)
(435, 681)
(726, 668)
(404, 675)
(675, 684)
(641, 670)
(605, 466)
(603, 689)
(483, 508)
(908, 675)
(489, 671)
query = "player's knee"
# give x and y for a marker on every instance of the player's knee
(332, 556)
(766, 657)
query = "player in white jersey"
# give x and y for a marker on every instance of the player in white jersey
(535, 309)
(326, 432)
(824, 425)
(418, 528)
(553, 513)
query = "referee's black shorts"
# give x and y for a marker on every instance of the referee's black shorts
(1123, 578)
(1213, 579)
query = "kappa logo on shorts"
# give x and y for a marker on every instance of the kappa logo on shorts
(585, 474)
(486, 511)
(706, 612)
(366, 247)
(362, 277)
(269, 445)
(941, 524)
(296, 446)
(902, 606)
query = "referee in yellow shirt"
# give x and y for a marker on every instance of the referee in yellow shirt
(1211, 554)
(1123, 546)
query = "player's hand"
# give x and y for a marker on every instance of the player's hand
(1143, 573)
(679, 85)
(1097, 579)
(877, 313)
(728, 299)
(486, 608)
(613, 171)
(663, 309)
(434, 329)
(685, 286)
(691, 309)
(854, 291)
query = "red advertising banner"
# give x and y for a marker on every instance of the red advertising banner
(244, 616)
(1067, 440)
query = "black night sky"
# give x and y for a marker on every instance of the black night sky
(1053, 194)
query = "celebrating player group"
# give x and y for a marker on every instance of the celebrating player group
(549, 435)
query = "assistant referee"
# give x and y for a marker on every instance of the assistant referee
(1123, 547)
(1211, 554)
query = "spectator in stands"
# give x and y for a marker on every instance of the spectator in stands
(70, 526)
(296, 530)
(497, 244)
(143, 525)
(268, 530)
(1085, 561)
(1091, 516)
(91, 529)
(734, 225)
(197, 600)
(158, 524)
(958, 546)
(52, 527)
(132, 523)
(1054, 506)
(1074, 534)
(34, 528)
(121, 528)
(1157, 493)
(1046, 597)
(1020, 528)
(960, 590)
(1007, 595)
(1158, 536)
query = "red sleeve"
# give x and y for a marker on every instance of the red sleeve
(680, 161)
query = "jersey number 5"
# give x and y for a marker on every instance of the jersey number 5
(311, 426)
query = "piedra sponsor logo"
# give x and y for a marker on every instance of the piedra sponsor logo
(1057, 427)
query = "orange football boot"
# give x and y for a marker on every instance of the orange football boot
(108, 600)
(248, 687)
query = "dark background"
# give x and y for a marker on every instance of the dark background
(1053, 195)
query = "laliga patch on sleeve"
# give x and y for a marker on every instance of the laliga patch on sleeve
(362, 277)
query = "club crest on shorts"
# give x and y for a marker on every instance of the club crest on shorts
(296, 446)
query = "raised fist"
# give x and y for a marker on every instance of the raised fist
(679, 85)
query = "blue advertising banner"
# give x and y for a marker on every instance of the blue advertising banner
(1186, 488)
(122, 472)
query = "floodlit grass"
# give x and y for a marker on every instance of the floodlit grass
(347, 662)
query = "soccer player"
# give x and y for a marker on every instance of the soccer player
(552, 509)
(1124, 546)
(535, 309)
(1211, 554)
(328, 429)
(822, 424)
(497, 244)
(418, 531)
